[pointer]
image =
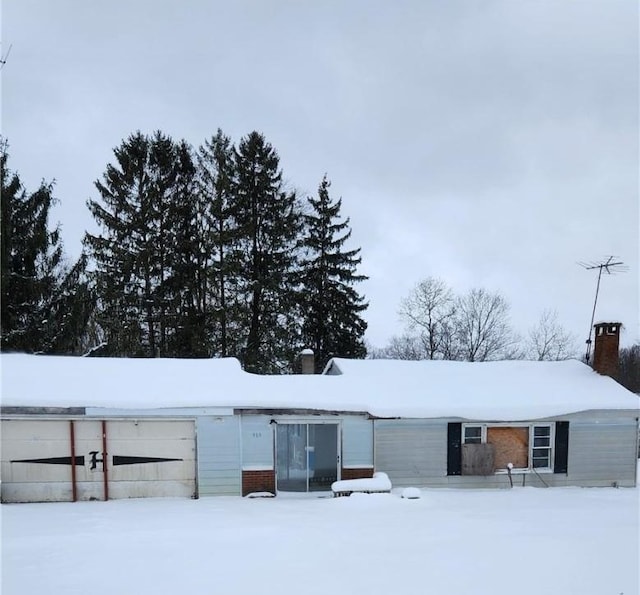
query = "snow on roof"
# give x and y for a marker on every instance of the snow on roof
(513, 390)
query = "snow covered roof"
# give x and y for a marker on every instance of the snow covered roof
(513, 390)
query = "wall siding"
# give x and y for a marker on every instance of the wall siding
(411, 452)
(257, 442)
(219, 456)
(602, 453)
(357, 442)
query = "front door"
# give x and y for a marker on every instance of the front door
(306, 457)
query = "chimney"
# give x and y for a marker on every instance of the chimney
(307, 362)
(605, 355)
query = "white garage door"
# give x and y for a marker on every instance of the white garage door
(151, 459)
(48, 461)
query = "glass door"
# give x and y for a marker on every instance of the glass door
(323, 456)
(291, 457)
(306, 457)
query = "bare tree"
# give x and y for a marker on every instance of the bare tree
(548, 340)
(482, 327)
(407, 347)
(629, 368)
(428, 311)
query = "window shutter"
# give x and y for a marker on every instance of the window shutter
(561, 447)
(454, 450)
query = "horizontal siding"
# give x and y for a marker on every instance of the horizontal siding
(501, 480)
(357, 442)
(257, 442)
(602, 452)
(218, 456)
(601, 415)
(411, 452)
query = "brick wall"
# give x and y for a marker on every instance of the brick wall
(357, 473)
(258, 481)
(265, 481)
(605, 356)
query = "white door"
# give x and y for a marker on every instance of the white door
(151, 459)
(111, 459)
(36, 461)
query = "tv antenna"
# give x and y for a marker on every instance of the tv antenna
(610, 266)
(3, 60)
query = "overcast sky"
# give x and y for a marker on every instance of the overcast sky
(489, 143)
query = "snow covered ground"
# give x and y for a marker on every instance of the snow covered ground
(567, 541)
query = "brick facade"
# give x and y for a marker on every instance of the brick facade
(265, 481)
(357, 473)
(258, 481)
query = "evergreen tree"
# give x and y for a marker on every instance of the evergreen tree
(114, 253)
(220, 261)
(332, 308)
(268, 219)
(31, 261)
(186, 324)
(46, 306)
(144, 201)
(70, 328)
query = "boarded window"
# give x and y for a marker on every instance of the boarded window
(478, 459)
(511, 446)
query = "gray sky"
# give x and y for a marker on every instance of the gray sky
(490, 143)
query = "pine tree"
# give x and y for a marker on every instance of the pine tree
(69, 327)
(114, 253)
(268, 220)
(220, 262)
(186, 325)
(333, 325)
(141, 200)
(46, 305)
(32, 256)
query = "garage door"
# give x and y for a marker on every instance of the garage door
(52, 461)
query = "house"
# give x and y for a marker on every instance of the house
(101, 428)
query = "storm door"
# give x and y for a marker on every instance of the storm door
(306, 457)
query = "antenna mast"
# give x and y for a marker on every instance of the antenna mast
(610, 267)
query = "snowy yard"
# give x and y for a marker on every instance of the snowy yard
(567, 541)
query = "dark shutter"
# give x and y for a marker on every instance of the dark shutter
(561, 447)
(454, 450)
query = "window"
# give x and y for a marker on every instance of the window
(525, 446)
(511, 446)
(541, 450)
(473, 435)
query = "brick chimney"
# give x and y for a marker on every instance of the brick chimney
(605, 355)
(307, 361)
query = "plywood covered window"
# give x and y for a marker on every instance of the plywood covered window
(511, 445)
(524, 446)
